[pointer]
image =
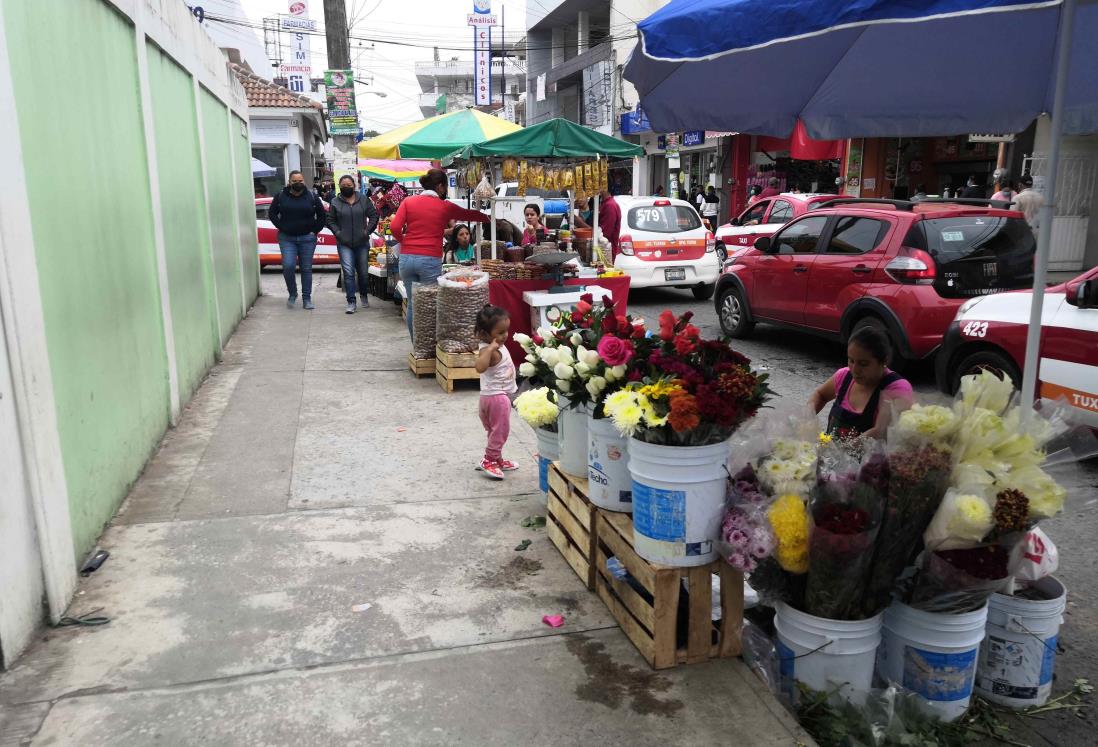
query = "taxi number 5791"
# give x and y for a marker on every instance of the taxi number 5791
(974, 329)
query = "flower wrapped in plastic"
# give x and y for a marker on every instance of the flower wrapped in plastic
(962, 520)
(985, 390)
(790, 523)
(790, 467)
(924, 424)
(846, 515)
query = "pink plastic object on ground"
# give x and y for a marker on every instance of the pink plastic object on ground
(553, 621)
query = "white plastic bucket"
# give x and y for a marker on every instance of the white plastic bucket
(572, 437)
(678, 501)
(933, 655)
(822, 653)
(548, 452)
(609, 484)
(1018, 656)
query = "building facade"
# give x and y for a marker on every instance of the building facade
(287, 131)
(447, 86)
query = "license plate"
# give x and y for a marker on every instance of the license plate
(674, 273)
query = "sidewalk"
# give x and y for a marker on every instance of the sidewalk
(313, 472)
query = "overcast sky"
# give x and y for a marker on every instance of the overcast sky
(403, 32)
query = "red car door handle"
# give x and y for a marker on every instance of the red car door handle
(860, 270)
(800, 268)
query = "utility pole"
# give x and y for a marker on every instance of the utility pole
(339, 58)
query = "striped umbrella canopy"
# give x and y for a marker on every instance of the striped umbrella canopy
(435, 137)
(392, 170)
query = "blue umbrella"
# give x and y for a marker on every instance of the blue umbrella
(260, 169)
(877, 68)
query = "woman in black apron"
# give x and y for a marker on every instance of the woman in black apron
(859, 390)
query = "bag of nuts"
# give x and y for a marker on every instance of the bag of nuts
(461, 294)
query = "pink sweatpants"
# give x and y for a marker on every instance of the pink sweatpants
(495, 414)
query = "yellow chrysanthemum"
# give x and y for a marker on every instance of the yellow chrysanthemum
(535, 407)
(789, 520)
(825, 438)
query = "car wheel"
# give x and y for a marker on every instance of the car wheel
(732, 313)
(703, 292)
(985, 360)
(722, 253)
(898, 362)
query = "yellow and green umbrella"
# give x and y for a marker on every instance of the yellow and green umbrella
(433, 138)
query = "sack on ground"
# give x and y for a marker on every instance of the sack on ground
(424, 320)
(461, 294)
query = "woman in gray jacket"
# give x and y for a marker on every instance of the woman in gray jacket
(352, 218)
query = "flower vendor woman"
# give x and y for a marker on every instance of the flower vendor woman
(864, 389)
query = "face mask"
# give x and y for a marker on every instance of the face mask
(346, 191)
(297, 188)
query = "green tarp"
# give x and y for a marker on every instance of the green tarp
(557, 138)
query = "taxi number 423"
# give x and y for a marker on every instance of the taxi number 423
(974, 329)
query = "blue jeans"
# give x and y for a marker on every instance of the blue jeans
(352, 261)
(418, 268)
(297, 249)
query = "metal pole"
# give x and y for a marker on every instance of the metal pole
(1044, 231)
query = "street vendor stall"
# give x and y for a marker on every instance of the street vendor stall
(555, 156)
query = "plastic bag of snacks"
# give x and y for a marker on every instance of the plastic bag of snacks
(589, 185)
(604, 173)
(578, 178)
(510, 169)
(537, 176)
(566, 179)
(423, 324)
(461, 294)
(523, 178)
(552, 181)
(484, 190)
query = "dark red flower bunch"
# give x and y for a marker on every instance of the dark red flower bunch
(988, 562)
(839, 519)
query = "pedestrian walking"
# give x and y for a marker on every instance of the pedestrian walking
(298, 214)
(352, 218)
(1006, 194)
(771, 190)
(920, 193)
(419, 225)
(497, 385)
(609, 221)
(973, 190)
(710, 207)
(1029, 201)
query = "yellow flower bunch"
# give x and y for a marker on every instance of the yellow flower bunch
(535, 407)
(631, 409)
(660, 389)
(789, 520)
(825, 439)
(984, 390)
(1046, 496)
(962, 520)
(932, 423)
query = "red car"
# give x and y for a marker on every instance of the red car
(269, 254)
(990, 333)
(900, 266)
(762, 218)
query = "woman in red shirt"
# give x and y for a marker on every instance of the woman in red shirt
(418, 226)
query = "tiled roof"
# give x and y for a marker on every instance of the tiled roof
(265, 94)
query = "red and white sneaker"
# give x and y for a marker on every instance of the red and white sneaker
(507, 465)
(491, 469)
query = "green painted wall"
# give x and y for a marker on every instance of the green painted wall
(183, 207)
(94, 247)
(249, 244)
(223, 211)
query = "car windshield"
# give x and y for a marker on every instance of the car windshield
(977, 254)
(663, 218)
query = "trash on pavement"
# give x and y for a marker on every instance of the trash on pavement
(361, 607)
(533, 521)
(553, 621)
(522, 545)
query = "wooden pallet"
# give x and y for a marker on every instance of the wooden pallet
(570, 522)
(453, 367)
(651, 619)
(421, 366)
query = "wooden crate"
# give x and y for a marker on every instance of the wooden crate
(651, 619)
(570, 522)
(453, 367)
(421, 366)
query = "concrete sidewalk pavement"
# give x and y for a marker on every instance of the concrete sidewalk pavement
(312, 473)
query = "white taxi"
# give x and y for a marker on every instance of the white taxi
(663, 243)
(989, 332)
(269, 254)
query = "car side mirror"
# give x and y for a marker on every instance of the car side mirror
(763, 244)
(1083, 295)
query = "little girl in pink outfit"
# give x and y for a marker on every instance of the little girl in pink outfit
(497, 385)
